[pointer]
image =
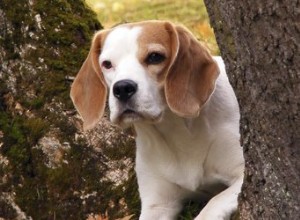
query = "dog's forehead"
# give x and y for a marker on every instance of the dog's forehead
(121, 38)
(129, 36)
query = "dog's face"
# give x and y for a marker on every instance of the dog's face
(146, 67)
(131, 63)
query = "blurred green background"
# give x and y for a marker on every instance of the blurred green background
(191, 13)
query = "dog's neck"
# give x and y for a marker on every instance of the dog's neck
(172, 130)
(167, 123)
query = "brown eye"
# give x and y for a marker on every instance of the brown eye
(155, 58)
(107, 64)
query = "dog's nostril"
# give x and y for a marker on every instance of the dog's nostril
(117, 91)
(124, 89)
(130, 89)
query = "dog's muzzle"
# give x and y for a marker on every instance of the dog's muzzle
(127, 110)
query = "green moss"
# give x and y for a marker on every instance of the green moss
(61, 179)
(33, 198)
(57, 65)
(36, 104)
(19, 136)
(35, 128)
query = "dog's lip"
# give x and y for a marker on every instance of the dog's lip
(129, 111)
(129, 116)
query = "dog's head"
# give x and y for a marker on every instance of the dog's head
(147, 67)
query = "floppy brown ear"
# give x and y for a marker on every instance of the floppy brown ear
(192, 75)
(89, 90)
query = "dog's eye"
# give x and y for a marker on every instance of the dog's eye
(155, 58)
(107, 64)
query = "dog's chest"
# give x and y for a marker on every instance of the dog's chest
(186, 171)
(173, 153)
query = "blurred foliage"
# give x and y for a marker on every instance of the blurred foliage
(191, 13)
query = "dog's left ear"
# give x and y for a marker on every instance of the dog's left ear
(89, 90)
(191, 78)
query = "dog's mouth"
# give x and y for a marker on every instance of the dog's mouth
(130, 116)
(128, 112)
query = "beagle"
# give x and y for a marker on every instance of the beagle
(159, 79)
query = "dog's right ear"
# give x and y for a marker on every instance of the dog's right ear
(89, 90)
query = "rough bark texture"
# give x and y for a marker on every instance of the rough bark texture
(49, 169)
(259, 41)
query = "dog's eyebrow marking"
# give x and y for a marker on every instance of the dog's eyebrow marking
(156, 48)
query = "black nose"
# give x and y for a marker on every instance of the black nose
(124, 89)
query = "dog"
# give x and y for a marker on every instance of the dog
(160, 79)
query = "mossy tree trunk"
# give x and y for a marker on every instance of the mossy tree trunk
(259, 41)
(48, 168)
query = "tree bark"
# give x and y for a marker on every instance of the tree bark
(48, 168)
(259, 41)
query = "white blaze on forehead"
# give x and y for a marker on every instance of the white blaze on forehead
(120, 42)
(120, 48)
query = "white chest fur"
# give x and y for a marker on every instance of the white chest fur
(175, 150)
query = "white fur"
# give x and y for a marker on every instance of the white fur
(177, 158)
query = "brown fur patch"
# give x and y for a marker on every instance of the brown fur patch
(155, 37)
(89, 89)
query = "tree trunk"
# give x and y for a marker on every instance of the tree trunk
(48, 168)
(259, 41)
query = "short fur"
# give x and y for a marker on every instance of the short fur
(184, 111)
